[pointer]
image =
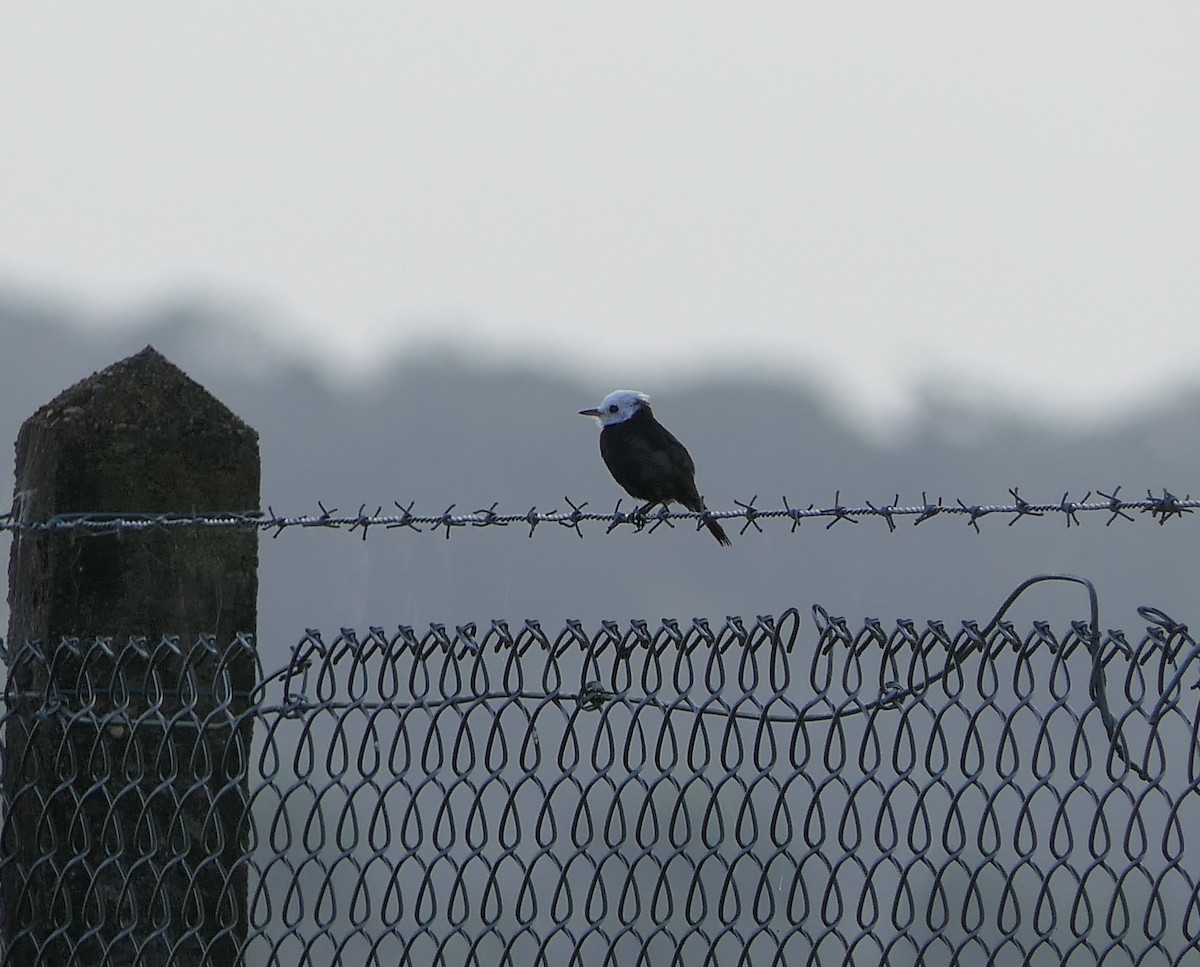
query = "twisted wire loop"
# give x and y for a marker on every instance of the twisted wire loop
(642, 794)
(1112, 506)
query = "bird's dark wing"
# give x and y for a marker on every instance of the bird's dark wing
(646, 459)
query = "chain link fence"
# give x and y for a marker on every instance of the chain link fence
(757, 792)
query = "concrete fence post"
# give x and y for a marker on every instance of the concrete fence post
(130, 666)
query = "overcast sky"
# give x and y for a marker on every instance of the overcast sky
(1004, 196)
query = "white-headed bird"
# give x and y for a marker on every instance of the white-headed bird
(645, 458)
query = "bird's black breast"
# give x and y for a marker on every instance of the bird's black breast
(646, 459)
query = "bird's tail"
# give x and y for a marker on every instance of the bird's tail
(714, 527)
(718, 532)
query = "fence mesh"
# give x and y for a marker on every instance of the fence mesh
(737, 792)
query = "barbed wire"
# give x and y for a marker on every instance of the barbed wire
(1160, 508)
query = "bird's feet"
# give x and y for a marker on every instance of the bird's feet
(639, 515)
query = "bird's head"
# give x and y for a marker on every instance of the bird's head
(618, 406)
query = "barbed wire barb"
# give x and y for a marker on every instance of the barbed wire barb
(838, 511)
(1023, 507)
(1115, 505)
(885, 512)
(1166, 506)
(928, 510)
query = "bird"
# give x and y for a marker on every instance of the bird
(645, 458)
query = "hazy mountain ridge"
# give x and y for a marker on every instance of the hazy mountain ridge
(438, 431)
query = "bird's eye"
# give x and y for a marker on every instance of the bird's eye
(612, 408)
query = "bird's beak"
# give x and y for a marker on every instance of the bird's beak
(592, 412)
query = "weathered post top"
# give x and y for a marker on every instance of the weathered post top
(139, 436)
(147, 399)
